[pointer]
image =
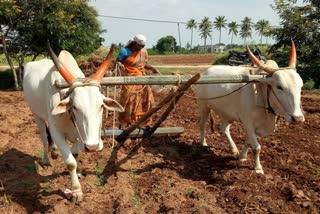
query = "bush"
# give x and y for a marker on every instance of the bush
(309, 85)
(222, 59)
(6, 80)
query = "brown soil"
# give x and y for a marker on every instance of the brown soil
(164, 175)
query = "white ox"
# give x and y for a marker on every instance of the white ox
(255, 105)
(73, 114)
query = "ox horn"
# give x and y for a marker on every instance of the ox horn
(104, 66)
(63, 71)
(257, 62)
(293, 56)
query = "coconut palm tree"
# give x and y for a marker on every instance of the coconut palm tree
(246, 28)
(219, 23)
(205, 28)
(191, 24)
(261, 27)
(233, 29)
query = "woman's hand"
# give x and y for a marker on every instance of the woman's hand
(153, 69)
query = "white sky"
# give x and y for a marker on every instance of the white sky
(120, 31)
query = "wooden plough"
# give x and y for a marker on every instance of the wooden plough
(184, 81)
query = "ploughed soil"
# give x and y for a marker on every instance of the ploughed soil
(188, 59)
(164, 174)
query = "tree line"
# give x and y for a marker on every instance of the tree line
(26, 26)
(245, 28)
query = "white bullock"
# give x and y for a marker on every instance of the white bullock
(73, 114)
(256, 105)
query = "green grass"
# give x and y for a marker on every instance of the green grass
(33, 167)
(136, 201)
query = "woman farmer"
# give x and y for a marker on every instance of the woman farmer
(136, 99)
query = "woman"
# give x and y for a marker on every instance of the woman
(136, 99)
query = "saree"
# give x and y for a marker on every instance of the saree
(135, 99)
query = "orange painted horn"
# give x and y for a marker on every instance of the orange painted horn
(63, 71)
(257, 62)
(293, 56)
(104, 66)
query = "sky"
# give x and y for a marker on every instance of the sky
(121, 30)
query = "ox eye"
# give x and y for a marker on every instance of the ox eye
(279, 87)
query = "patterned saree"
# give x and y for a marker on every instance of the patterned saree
(136, 99)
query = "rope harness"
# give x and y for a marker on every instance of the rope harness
(76, 84)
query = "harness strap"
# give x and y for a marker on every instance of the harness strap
(87, 82)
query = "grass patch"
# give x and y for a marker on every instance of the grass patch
(33, 167)
(100, 179)
(47, 186)
(40, 154)
(189, 193)
(136, 201)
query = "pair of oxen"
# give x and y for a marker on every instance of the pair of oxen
(75, 113)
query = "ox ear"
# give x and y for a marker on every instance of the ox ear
(62, 107)
(112, 105)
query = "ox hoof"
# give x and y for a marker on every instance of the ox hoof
(243, 159)
(235, 153)
(54, 155)
(75, 196)
(259, 171)
(45, 164)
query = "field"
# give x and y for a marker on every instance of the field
(164, 175)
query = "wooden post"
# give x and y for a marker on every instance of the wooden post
(167, 99)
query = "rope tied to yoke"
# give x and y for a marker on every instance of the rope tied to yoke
(86, 82)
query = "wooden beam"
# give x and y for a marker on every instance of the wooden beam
(168, 80)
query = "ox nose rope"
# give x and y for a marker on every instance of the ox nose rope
(72, 116)
(87, 82)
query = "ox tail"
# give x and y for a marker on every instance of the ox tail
(211, 121)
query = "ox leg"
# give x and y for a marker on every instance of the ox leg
(76, 191)
(225, 129)
(252, 140)
(244, 152)
(204, 112)
(75, 150)
(44, 139)
(52, 147)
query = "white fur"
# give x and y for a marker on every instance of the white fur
(247, 105)
(49, 107)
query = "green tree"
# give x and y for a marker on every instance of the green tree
(262, 27)
(205, 28)
(166, 44)
(246, 28)
(69, 25)
(191, 24)
(233, 30)
(219, 23)
(8, 20)
(301, 23)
